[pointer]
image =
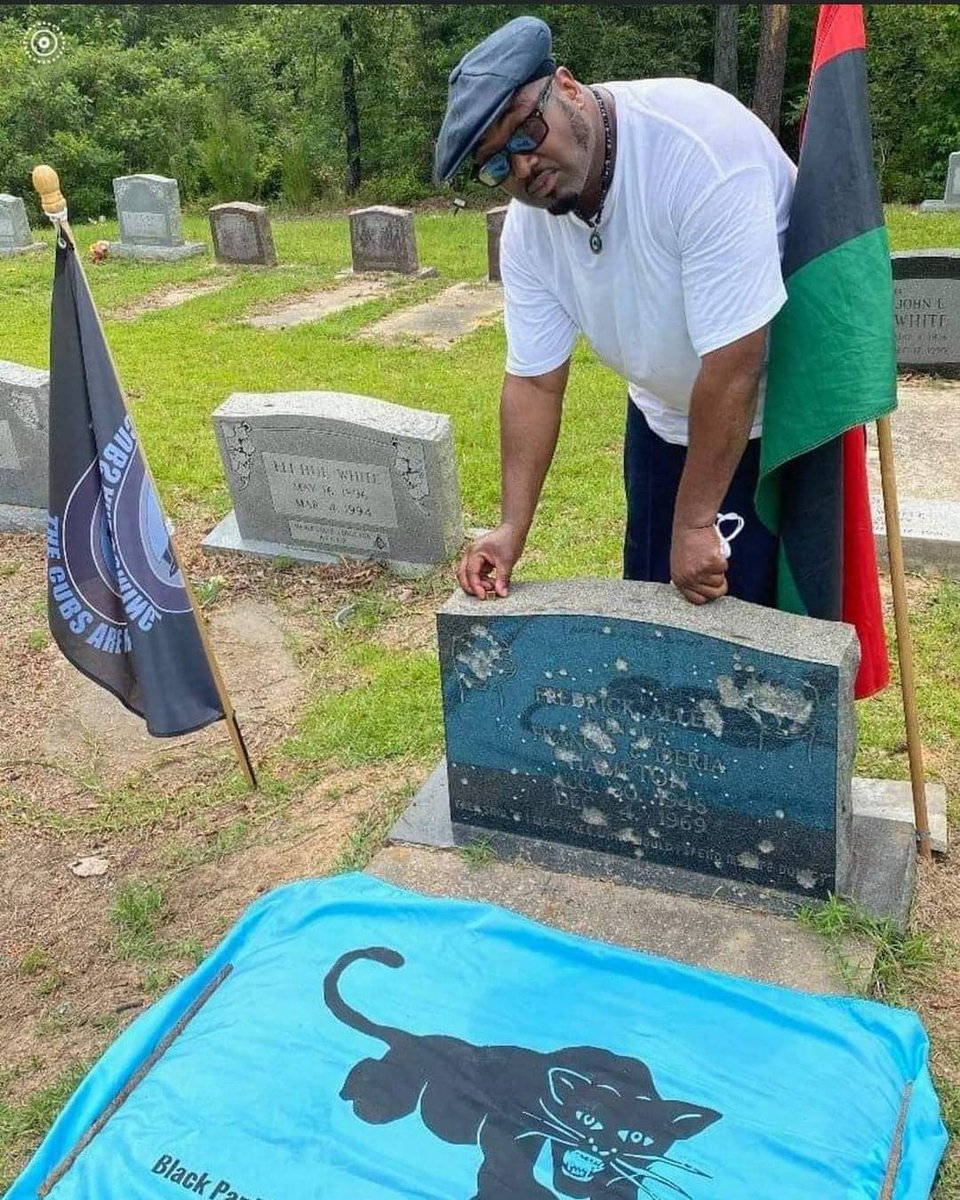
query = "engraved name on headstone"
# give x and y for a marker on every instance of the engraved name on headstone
(927, 310)
(15, 234)
(495, 219)
(321, 474)
(615, 717)
(383, 239)
(151, 226)
(241, 234)
(24, 405)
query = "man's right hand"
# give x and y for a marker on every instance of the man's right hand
(486, 566)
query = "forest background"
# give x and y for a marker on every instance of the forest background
(312, 106)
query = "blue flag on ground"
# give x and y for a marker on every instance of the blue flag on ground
(116, 599)
(351, 1041)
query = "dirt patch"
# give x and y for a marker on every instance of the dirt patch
(314, 306)
(166, 297)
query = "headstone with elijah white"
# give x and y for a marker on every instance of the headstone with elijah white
(326, 476)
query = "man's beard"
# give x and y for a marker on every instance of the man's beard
(563, 205)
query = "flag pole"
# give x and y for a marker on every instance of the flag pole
(47, 185)
(888, 478)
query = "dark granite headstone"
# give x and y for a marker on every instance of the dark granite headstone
(383, 239)
(495, 219)
(927, 310)
(241, 234)
(616, 717)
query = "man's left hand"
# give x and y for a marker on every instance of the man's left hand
(697, 568)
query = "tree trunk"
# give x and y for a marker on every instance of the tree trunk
(725, 47)
(771, 62)
(351, 112)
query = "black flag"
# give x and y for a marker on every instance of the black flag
(116, 599)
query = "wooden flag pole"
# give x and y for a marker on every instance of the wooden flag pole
(888, 477)
(47, 184)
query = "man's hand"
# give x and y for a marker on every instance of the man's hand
(486, 567)
(697, 568)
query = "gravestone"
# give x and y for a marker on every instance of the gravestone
(148, 210)
(383, 239)
(321, 476)
(241, 234)
(24, 406)
(495, 219)
(616, 717)
(951, 191)
(927, 310)
(15, 235)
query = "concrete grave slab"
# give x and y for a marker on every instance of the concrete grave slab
(306, 309)
(15, 234)
(703, 933)
(241, 234)
(332, 474)
(24, 408)
(926, 438)
(439, 323)
(151, 227)
(892, 799)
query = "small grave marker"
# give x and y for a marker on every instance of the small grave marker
(241, 234)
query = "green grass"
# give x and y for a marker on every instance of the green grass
(22, 1125)
(479, 853)
(137, 915)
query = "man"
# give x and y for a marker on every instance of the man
(650, 217)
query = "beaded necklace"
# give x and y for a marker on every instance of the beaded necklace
(593, 223)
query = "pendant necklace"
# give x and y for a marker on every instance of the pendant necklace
(593, 223)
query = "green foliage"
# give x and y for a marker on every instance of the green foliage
(137, 914)
(246, 101)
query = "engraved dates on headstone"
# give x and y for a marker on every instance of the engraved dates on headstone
(595, 714)
(383, 239)
(339, 474)
(927, 310)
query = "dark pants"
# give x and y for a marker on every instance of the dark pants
(651, 476)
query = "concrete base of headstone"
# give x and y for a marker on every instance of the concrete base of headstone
(155, 253)
(752, 945)
(443, 320)
(225, 538)
(33, 248)
(883, 856)
(938, 206)
(893, 799)
(930, 530)
(15, 518)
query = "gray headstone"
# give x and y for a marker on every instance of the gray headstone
(241, 234)
(383, 239)
(495, 219)
(617, 718)
(24, 406)
(927, 310)
(151, 226)
(951, 191)
(15, 235)
(341, 475)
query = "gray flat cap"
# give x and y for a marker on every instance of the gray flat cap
(482, 85)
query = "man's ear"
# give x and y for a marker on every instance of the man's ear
(571, 89)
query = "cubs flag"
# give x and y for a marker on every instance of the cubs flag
(832, 362)
(352, 1041)
(117, 604)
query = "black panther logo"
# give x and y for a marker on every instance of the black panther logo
(592, 1118)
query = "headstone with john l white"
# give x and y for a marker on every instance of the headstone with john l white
(926, 287)
(151, 225)
(321, 476)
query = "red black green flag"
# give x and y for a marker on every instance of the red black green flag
(832, 356)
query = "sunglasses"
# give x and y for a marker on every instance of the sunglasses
(524, 140)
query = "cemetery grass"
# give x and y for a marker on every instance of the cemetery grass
(332, 670)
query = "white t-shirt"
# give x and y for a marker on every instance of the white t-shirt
(692, 230)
